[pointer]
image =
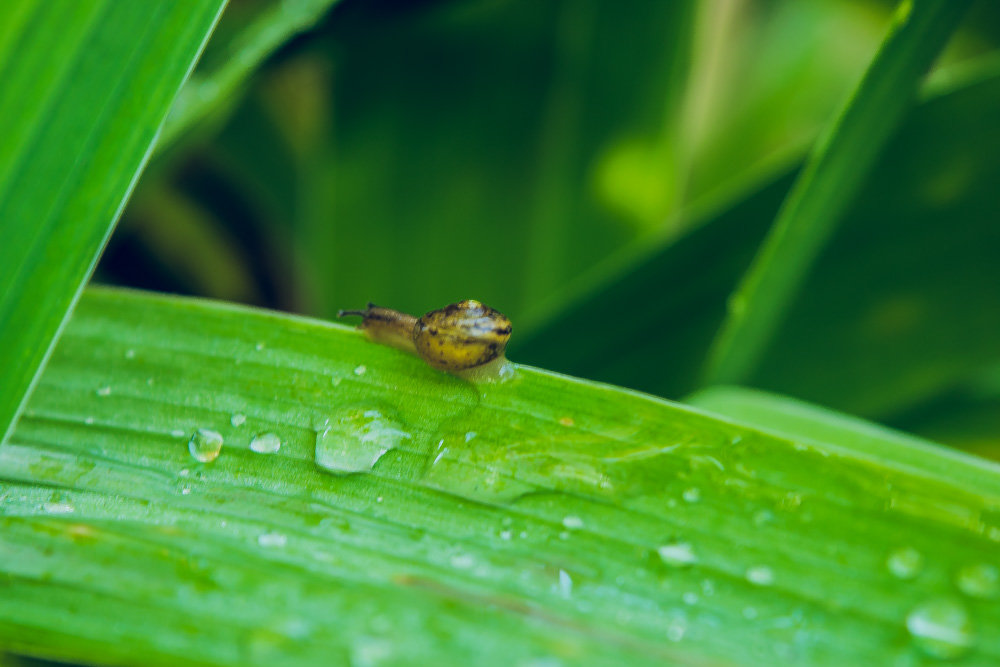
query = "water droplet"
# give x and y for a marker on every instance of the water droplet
(88, 421)
(183, 472)
(379, 499)
(177, 432)
(572, 522)
(205, 445)
(104, 391)
(265, 443)
(565, 584)
(679, 554)
(130, 353)
(185, 490)
(360, 370)
(473, 469)
(506, 534)
(690, 598)
(979, 580)
(373, 651)
(692, 495)
(272, 540)
(462, 561)
(760, 575)
(356, 438)
(676, 629)
(470, 435)
(259, 346)
(941, 628)
(237, 419)
(58, 508)
(905, 563)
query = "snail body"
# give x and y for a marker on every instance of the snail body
(459, 338)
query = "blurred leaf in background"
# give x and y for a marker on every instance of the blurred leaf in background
(415, 153)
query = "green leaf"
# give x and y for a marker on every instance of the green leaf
(86, 86)
(900, 307)
(803, 422)
(833, 176)
(248, 37)
(545, 517)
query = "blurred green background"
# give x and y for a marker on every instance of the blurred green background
(602, 172)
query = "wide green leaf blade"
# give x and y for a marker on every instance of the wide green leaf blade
(542, 518)
(832, 177)
(902, 304)
(86, 85)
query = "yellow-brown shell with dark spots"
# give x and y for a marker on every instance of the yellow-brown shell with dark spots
(461, 336)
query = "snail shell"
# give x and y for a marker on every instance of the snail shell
(461, 336)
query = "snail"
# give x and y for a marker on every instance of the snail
(465, 338)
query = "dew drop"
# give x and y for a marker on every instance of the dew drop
(690, 598)
(259, 346)
(476, 469)
(676, 629)
(979, 580)
(572, 522)
(565, 584)
(462, 561)
(58, 508)
(356, 438)
(941, 628)
(506, 534)
(692, 495)
(104, 391)
(205, 445)
(905, 563)
(760, 575)
(679, 554)
(265, 443)
(360, 370)
(272, 540)
(237, 419)
(130, 353)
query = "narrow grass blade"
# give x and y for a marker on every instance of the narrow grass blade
(832, 178)
(239, 51)
(86, 85)
(201, 482)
